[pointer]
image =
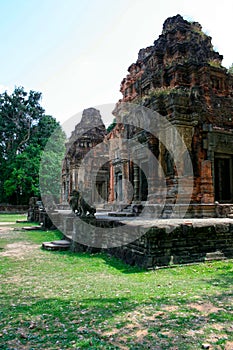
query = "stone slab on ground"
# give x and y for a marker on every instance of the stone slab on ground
(62, 244)
(31, 228)
(165, 242)
(121, 214)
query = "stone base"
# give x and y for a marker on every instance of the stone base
(185, 244)
(171, 211)
(224, 210)
(63, 206)
(164, 242)
(62, 244)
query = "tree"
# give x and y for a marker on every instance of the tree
(230, 69)
(22, 182)
(51, 166)
(18, 113)
(24, 131)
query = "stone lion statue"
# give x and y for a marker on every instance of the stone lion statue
(79, 206)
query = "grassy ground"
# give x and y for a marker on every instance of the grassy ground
(11, 217)
(61, 300)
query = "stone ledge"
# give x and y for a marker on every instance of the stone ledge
(168, 242)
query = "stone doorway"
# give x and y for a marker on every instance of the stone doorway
(102, 191)
(119, 194)
(143, 183)
(143, 186)
(223, 178)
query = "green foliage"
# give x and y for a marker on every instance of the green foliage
(24, 131)
(112, 125)
(24, 173)
(51, 165)
(230, 69)
(18, 113)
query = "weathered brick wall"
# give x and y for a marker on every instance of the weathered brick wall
(166, 245)
(185, 244)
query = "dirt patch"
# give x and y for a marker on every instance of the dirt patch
(170, 308)
(110, 333)
(18, 250)
(229, 345)
(5, 229)
(205, 308)
(8, 232)
(141, 333)
(5, 223)
(218, 327)
(193, 333)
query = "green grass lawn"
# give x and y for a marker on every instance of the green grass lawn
(12, 217)
(62, 300)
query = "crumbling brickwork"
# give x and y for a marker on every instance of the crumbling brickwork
(182, 78)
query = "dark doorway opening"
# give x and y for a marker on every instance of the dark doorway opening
(143, 186)
(223, 179)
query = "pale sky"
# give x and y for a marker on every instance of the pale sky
(76, 52)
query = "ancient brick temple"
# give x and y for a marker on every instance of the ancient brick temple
(87, 134)
(181, 77)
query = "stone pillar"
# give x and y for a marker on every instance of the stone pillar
(111, 183)
(125, 180)
(136, 182)
(207, 188)
(154, 181)
(67, 189)
(73, 179)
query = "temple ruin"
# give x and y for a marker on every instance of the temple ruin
(87, 134)
(181, 77)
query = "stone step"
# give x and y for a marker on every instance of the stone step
(63, 206)
(62, 244)
(215, 256)
(31, 228)
(121, 214)
(98, 209)
(128, 211)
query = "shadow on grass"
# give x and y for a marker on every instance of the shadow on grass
(109, 260)
(120, 265)
(106, 323)
(223, 277)
(56, 323)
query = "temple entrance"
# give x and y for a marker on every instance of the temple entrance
(223, 178)
(102, 191)
(143, 185)
(102, 183)
(119, 196)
